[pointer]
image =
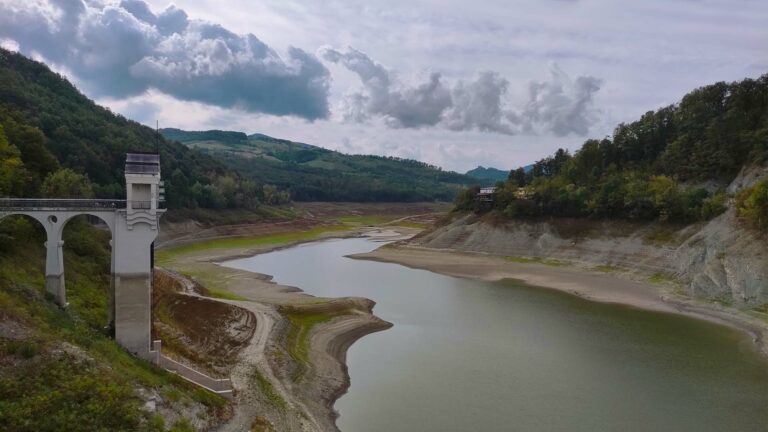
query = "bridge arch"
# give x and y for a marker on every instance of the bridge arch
(108, 219)
(38, 239)
(47, 225)
(54, 222)
(92, 291)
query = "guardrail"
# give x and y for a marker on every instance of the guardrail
(222, 387)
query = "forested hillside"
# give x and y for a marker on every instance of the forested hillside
(48, 128)
(312, 173)
(672, 164)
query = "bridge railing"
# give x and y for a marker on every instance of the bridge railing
(73, 204)
(89, 204)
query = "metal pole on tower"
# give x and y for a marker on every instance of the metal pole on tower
(157, 136)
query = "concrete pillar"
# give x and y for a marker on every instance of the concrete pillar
(133, 285)
(153, 197)
(111, 293)
(133, 318)
(54, 270)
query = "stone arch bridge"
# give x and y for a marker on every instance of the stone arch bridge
(133, 224)
(131, 267)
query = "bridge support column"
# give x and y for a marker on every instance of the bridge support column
(54, 271)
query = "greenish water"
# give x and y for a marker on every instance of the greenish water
(472, 356)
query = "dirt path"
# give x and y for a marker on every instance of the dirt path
(250, 402)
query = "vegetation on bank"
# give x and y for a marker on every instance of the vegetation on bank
(671, 165)
(60, 369)
(536, 260)
(752, 205)
(167, 255)
(302, 320)
(219, 217)
(268, 390)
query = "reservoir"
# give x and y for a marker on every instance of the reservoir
(467, 355)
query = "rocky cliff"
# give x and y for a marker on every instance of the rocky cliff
(720, 260)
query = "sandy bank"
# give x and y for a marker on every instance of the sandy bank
(601, 287)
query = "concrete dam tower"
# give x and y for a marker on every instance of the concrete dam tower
(136, 228)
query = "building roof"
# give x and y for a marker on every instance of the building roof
(142, 163)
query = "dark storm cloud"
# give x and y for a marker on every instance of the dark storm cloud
(125, 49)
(558, 106)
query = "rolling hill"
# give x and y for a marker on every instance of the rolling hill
(313, 173)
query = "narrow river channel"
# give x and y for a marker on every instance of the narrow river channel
(465, 355)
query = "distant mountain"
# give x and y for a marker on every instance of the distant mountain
(493, 174)
(313, 173)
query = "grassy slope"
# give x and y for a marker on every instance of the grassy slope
(302, 321)
(62, 371)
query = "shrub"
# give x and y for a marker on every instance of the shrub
(713, 206)
(752, 205)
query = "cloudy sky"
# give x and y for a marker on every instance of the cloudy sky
(455, 83)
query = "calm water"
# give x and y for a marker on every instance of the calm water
(473, 356)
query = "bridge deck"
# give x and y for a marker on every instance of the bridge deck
(31, 204)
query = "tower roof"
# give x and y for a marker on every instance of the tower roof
(142, 163)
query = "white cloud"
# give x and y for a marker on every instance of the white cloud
(122, 50)
(558, 106)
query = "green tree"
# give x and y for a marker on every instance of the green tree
(11, 167)
(666, 197)
(518, 177)
(226, 187)
(752, 205)
(66, 183)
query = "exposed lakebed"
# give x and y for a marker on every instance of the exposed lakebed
(467, 355)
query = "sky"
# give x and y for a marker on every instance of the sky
(454, 83)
